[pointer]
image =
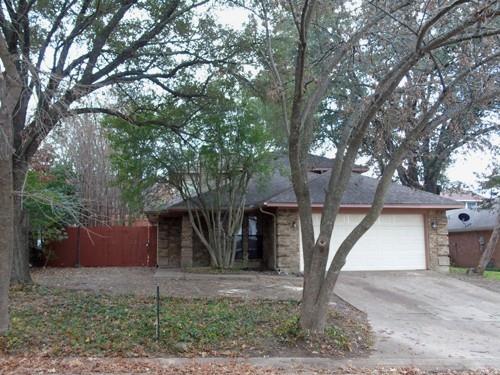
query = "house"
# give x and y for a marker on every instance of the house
(411, 233)
(468, 199)
(469, 232)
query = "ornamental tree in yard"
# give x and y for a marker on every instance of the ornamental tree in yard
(381, 45)
(208, 162)
(62, 54)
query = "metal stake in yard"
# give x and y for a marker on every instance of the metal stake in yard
(157, 313)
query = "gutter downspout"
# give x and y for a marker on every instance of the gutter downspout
(275, 236)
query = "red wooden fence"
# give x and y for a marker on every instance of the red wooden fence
(116, 246)
(465, 248)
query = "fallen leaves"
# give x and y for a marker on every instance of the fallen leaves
(34, 365)
(16, 365)
(62, 323)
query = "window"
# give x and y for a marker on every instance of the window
(254, 237)
(252, 232)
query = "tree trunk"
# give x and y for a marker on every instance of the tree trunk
(490, 247)
(314, 308)
(6, 218)
(20, 260)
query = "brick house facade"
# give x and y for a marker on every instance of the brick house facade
(411, 234)
(179, 246)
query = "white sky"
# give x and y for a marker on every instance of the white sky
(467, 165)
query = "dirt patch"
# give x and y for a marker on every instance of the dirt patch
(142, 281)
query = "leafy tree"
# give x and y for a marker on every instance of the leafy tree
(51, 203)
(66, 55)
(339, 59)
(223, 143)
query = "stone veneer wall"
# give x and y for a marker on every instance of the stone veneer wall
(186, 242)
(287, 246)
(201, 257)
(169, 242)
(437, 240)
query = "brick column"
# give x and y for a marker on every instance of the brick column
(439, 251)
(287, 247)
(186, 243)
(162, 243)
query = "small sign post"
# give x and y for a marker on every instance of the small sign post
(157, 313)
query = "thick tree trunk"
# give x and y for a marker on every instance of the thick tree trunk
(6, 239)
(490, 247)
(6, 217)
(20, 260)
(314, 308)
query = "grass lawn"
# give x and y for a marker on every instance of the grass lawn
(59, 322)
(492, 275)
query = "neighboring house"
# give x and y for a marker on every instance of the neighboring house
(469, 232)
(469, 199)
(411, 233)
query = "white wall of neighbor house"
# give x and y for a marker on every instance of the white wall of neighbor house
(394, 242)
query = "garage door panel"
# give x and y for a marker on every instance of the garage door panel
(394, 242)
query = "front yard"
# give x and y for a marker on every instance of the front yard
(58, 322)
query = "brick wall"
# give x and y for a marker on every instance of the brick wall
(437, 239)
(201, 257)
(186, 242)
(287, 246)
(169, 242)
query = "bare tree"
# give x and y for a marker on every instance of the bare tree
(472, 127)
(66, 51)
(332, 39)
(81, 143)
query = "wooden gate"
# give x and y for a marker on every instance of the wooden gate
(116, 246)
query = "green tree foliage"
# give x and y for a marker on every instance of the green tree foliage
(51, 202)
(221, 141)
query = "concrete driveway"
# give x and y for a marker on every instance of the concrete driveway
(426, 318)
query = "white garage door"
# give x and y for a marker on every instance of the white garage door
(394, 242)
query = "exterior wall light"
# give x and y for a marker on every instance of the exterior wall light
(434, 224)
